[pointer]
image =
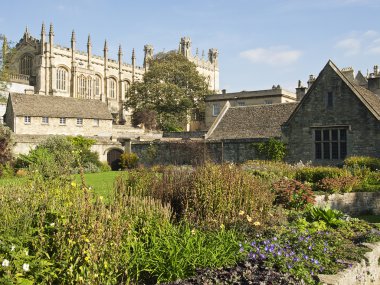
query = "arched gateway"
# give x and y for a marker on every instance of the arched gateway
(113, 158)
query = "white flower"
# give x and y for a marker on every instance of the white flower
(26, 252)
(25, 267)
(5, 263)
(13, 247)
(52, 224)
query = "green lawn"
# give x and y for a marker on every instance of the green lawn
(102, 182)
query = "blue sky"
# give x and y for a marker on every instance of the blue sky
(260, 42)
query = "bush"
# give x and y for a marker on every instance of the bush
(293, 194)
(104, 167)
(129, 160)
(316, 174)
(271, 150)
(363, 161)
(209, 195)
(337, 185)
(271, 170)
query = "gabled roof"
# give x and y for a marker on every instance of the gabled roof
(58, 106)
(360, 79)
(368, 98)
(255, 121)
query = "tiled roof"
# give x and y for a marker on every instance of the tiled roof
(255, 121)
(58, 106)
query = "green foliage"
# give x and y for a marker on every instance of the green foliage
(332, 218)
(316, 174)
(210, 195)
(149, 155)
(270, 170)
(6, 144)
(372, 163)
(105, 167)
(59, 234)
(6, 53)
(272, 149)
(129, 160)
(292, 194)
(170, 88)
(59, 156)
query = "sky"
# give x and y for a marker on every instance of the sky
(261, 43)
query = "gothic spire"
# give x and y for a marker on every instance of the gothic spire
(51, 31)
(120, 52)
(133, 55)
(43, 31)
(89, 40)
(105, 46)
(73, 36)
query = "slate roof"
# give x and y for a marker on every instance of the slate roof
(255, 121)
(58, 106)
(368, 98)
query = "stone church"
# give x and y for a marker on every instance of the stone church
(51, 69)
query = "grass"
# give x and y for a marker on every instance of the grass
(102, 182)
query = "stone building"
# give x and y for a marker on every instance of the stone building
(45, 68)
(215, 103)
(336, 118)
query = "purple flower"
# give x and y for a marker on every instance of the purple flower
(279, 253)
(306, 257)
(316, 261)
(310, 247)
(262, 256)
(241, 249)
(253, 243)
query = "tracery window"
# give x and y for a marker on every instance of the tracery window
(82, 86)
(112, 88)
(89, 88)
(126, 88)
(26, 65)
(62, 77)
(97, 85)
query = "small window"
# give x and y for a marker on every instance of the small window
(215, 110)
(80, 121)
(96, 122)
(27, 120)
(329, 99)
(241, 103)
(45, 120)
(268, 102)
(62, 121)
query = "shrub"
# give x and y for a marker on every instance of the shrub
(293, 194)
(271, 150)
(315, 174)
(272, 170)
(6, 144)
(104, 167)
(129, 160)
(363, 161)
(337, 185)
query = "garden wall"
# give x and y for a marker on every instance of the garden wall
(194, 151)
(360, 273)
(356, 203)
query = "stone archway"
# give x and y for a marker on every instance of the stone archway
(113, 158)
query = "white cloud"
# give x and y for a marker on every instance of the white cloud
(351, 46)
(360, 43)
(276, 55)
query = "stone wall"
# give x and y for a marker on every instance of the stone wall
(365, 272)
(346, 111)
(354, 204)
(194, 151)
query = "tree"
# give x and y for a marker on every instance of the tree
(170, 89)
(5, 54)
(6, 145)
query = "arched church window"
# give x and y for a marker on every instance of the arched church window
(126, 88)
(89, 88)
(26, 65)
(97, 85)
(62, 78)
(82, 86)
(112, 88)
